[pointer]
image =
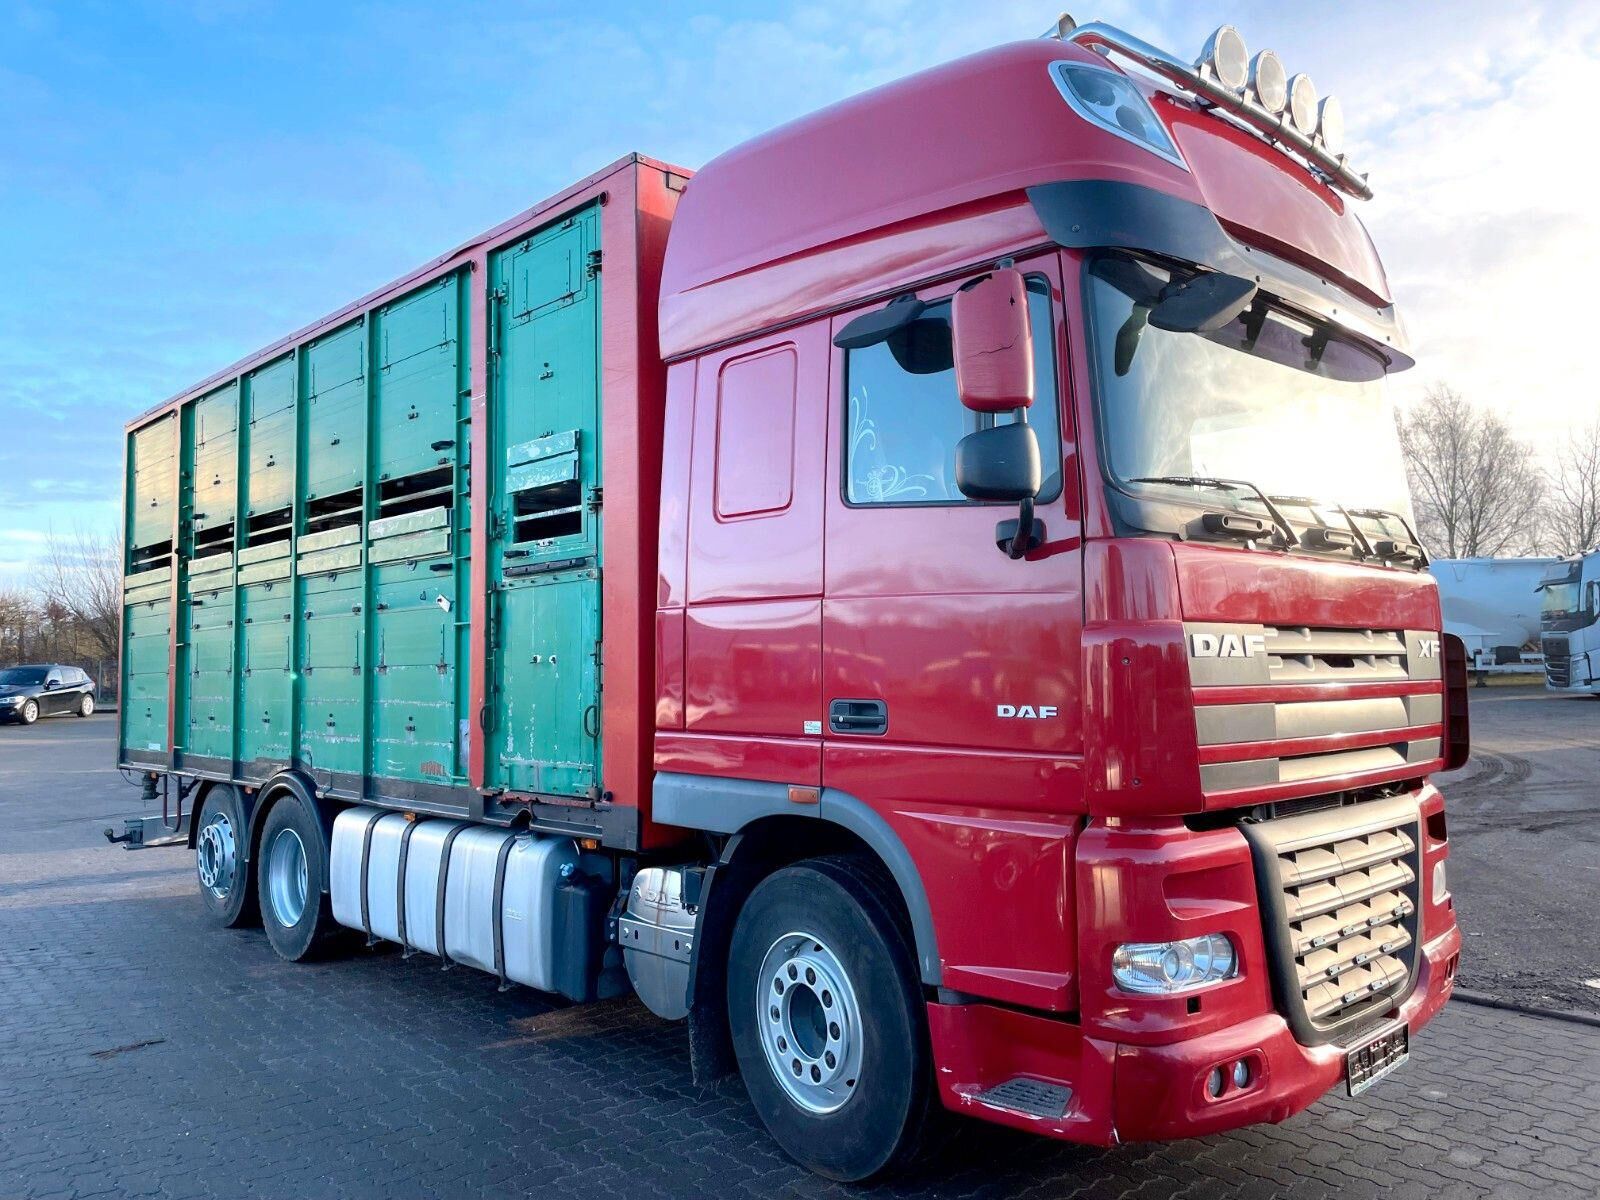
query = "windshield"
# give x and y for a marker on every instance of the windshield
(19, 676)
(1269, 398)
(1560, 604)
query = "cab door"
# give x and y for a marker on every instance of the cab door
(951, 671)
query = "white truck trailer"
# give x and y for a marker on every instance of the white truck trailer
(1492, 605)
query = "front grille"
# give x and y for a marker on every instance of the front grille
(1340, 892)
(1317, 663)
(1557, 660)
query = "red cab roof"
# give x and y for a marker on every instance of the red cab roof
(943, 142)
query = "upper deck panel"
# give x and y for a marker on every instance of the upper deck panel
(939, 146)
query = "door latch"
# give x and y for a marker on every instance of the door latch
(858, 716)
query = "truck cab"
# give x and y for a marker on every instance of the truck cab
(1157, 779)
(1569, 624)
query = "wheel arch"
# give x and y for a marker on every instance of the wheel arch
(768, 832)
(290, 783)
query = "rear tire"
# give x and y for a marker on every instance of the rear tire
(227, 885)
(86, 707)
(291, 882)
(29, 713)
(828, 1020)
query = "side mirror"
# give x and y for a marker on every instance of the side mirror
(51, 685)
(999, 463)
(992, 343)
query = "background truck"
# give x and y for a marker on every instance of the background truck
(881, 599)
(1493, 606)
(1569, 614)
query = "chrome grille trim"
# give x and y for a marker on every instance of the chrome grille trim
(1268, 656)
(1340, 892)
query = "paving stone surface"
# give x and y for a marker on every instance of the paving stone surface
(143, 1053)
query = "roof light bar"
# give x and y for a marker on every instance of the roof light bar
(1254, 92)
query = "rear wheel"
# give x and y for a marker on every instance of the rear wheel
(226, 887)
(828, 1022)
(30, 712)
(86, 707)
(291, 875)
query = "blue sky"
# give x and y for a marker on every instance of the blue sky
(181, 183)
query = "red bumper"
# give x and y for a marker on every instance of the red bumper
(1125, 1093)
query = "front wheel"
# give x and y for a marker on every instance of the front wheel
(291, 873)
(30, 712)
(828, 1023)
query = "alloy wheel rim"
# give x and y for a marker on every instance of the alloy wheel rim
(810, 1022)
(216, 856)
(288, 879)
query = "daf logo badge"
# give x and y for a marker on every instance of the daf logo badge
(1227, 645)
(1026, 712)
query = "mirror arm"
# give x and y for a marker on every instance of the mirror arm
(1022, 540)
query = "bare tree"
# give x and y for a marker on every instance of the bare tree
(1476, 486)
(1572, 510)
(79, 581)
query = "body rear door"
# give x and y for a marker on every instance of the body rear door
(545, 548)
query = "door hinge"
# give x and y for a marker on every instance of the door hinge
(592, 265)
(597, 497)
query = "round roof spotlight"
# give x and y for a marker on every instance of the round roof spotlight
(1330, 125)
(1269, 82)
(1303, 104)
(1227, 56)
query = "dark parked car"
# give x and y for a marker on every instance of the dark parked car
(30, 692)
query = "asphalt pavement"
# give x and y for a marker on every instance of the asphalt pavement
(143, 1053)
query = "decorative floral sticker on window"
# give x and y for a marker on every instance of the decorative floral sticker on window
(873, 479)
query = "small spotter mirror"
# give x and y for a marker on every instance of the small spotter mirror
(1203, 304)
(880, 324)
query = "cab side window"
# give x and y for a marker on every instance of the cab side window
(903, 417)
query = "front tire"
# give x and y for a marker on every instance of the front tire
(828, 1022)
(86, 707)
(227, 886)
(291, 879)
(29, 712)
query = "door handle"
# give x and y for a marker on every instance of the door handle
(858, 716)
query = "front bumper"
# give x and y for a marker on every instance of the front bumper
(1128, 1093)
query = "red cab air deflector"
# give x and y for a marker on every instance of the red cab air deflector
(994, 344)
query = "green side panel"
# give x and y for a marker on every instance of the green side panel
(266, 637)
(331, 663)
(148, 628)
(151, 500)
(216, 458)
(417, 391)
(271, 435)
(548, 722)
(545, 544)
(414, 717)
(208, 684)
(336, 412)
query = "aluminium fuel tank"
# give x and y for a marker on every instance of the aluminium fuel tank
(469, 893)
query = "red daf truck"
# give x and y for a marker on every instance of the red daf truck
(929, 599)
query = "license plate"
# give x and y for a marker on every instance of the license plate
(1384, 1054)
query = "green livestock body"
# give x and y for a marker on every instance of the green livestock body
(299, 547)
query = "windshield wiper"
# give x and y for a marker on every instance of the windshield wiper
(1326, 537)
(1410, 551)
(1289, 538)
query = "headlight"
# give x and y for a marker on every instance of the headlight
(1163, 968)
